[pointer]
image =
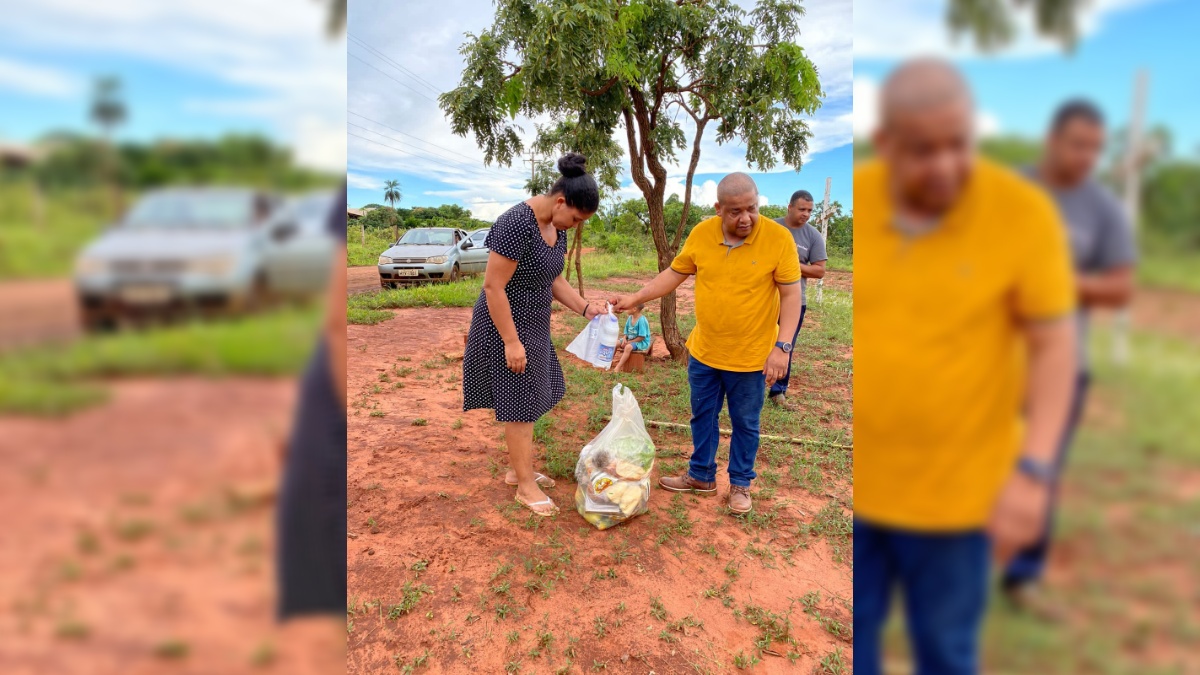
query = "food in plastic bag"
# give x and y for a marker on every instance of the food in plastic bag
(613, 472)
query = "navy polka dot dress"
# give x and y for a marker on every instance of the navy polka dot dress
(487, 381)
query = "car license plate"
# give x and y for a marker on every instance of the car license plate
(406, 273)
(146, 295)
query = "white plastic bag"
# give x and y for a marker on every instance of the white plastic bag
(589, 344)
(613, 472)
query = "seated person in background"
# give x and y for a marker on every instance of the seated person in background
(636, 337)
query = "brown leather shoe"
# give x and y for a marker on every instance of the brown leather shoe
(781, 401)
(739, 499)
(686, 484)
(1032, 599)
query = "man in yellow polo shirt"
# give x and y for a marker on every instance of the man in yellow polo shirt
(964, 358)
(745, 266)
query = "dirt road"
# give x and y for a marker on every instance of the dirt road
(442, 567)
(138, 536)
(37, 311)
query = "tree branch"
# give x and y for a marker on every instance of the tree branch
(636, 164)
(687, 189)
(602, 90)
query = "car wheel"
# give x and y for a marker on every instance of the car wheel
(454, 274)
(260, 294)
(97, 323)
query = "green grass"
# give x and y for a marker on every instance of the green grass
(358, 253)
(840, 260)
(72, 219)
(58, 380)
(1166, 266)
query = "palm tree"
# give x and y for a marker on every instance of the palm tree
(392, 195)
(108, 111)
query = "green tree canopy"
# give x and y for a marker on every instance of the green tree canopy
(662, 70)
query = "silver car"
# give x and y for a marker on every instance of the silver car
(206, 250)
(431, 254)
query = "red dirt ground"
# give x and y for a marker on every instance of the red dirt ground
(426, 492)
(143, 522)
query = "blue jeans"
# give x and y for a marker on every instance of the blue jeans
(780, 386)
(944, 579)
(1029, 564)
(710, 387)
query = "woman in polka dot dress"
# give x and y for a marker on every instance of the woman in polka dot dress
(510, 365)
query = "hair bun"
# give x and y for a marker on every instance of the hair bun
(572, 164)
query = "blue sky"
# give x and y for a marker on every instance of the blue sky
(189, 68)
(401, 134)
(1017, 90)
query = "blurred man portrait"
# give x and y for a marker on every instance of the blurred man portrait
(964, 361)
(1103, 254)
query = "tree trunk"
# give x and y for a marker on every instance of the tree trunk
(363, 226)
(667, 314)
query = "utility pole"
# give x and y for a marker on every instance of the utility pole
(531, 160)
(1132, 171)
(824, 223)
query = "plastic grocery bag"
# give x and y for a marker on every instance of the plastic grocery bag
(613, 472)
(597, 342)
(587, 344)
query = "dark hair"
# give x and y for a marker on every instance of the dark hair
(800, 194)
(576, 185)
(1076, 108)
(641, 306)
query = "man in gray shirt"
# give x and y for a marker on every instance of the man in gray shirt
(1103, 252)
(811, 248)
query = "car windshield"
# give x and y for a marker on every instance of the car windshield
(177, 210)
(427, 238)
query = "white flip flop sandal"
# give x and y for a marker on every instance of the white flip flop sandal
(540, 479)
(531, 505)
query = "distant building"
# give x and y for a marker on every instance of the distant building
(14, 156)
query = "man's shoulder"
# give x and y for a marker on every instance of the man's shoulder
(1017, 192)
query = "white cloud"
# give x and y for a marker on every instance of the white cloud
(362, 181)
(29, 78)
(394, 127)
(886, 29)
(277, 50)
(866, 111)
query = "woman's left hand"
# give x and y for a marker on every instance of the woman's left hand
(592, 311)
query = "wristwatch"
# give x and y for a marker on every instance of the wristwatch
(785, 346)
(1039, 471)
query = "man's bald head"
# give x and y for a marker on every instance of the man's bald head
(921, 85)
(737, 205)
(926, 134)
(736, 185)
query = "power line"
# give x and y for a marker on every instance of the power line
(406, 85)
(451, 165)
(407, 152)
(448, 159)
(473, 159)
(420, 79)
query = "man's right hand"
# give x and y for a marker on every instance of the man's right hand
(1019, 516)
(623, 303)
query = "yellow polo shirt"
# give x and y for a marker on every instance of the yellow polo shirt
(939, 364)
(737, 301)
